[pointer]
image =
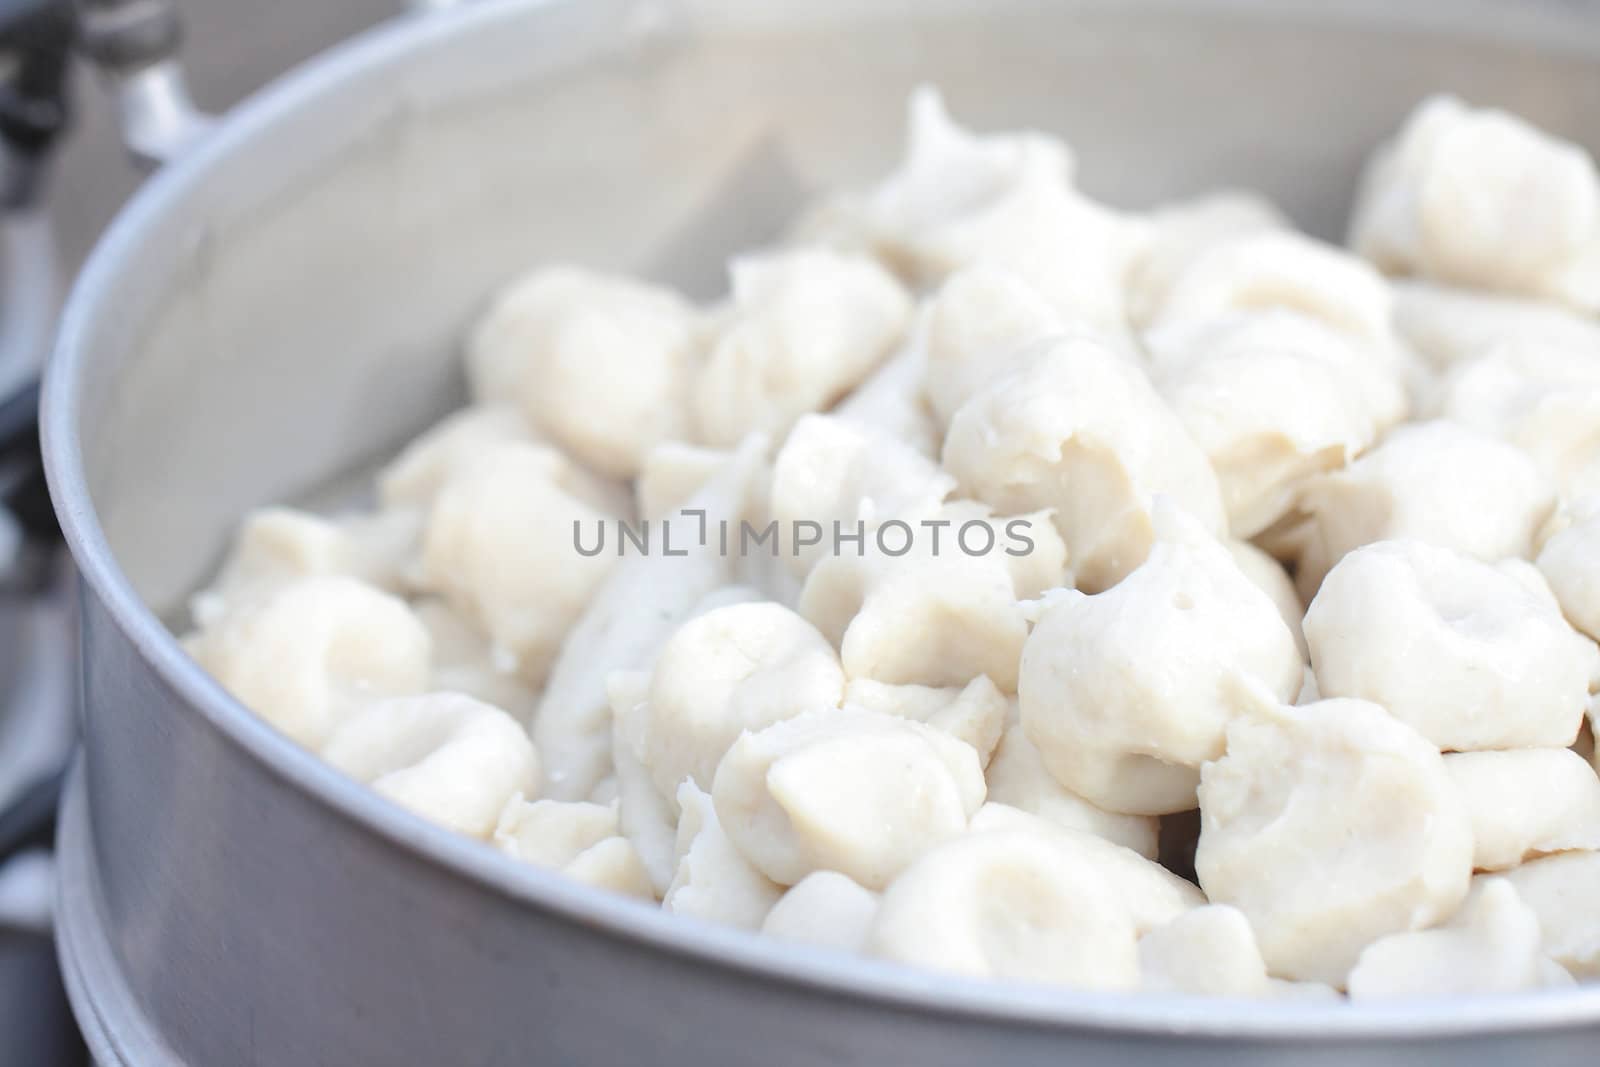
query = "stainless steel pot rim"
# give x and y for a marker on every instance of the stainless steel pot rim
(118, 252)
(108, 1015)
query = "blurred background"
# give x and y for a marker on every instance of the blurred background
(230, 48)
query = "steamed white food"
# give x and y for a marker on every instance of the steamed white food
(315, 651)
(628, 620)
(1570, 562)
(975, 713)
(1526, 802)
(1543, 398)
(1007, 904)
(1560, 890)
(1459, 649)
(1126, 693)
(1329, 826)
(602, 365)
(1438, 482)
(1480, 198)
(979, 323)
(1076, 428)
(805, 328)
(453, 759)
(852, 791)
(1490, 946)
(713, 879)
(464, 661)
(490, 535)
(1209, 951)
(731, 670)
(276, 546)
(1275, 268)
(1152, 895)
(1273, 397)
(908, 612)
(1183, 231)
(578, 838)
(984, 552)
(825, 909)
(1019, 778)
(849, 478)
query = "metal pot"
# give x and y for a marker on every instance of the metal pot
(283, 304)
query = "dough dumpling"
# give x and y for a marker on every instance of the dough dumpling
(935, 616)
(1273, 398)
(1561, 890)
(314, 651)
(1570, 562)
(1438, 482)
(579, 839)
(276, 546)
(1329, 826)
(502, 546)
(1076, 428)
(1280, 269)
(975, 713)
(736, 668)
(713, 880)
(1153, 895)
(825, 909)
(835, 473)
(1460, 650)
(1490, 946)
(806, 327)
(625, 624)
(1210, 951)
(600, 364)
(1018, 777)
(1006, 904)
(449, 758)
(1480, 198)
(1125, 693)
(845, 790)
(1182, 232)
(1527, 802)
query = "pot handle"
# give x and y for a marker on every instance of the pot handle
(135, 45)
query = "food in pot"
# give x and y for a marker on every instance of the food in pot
(910, 600)
(1481, 199)
(1471, 655)
(1490, 945)
(1330, 825)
